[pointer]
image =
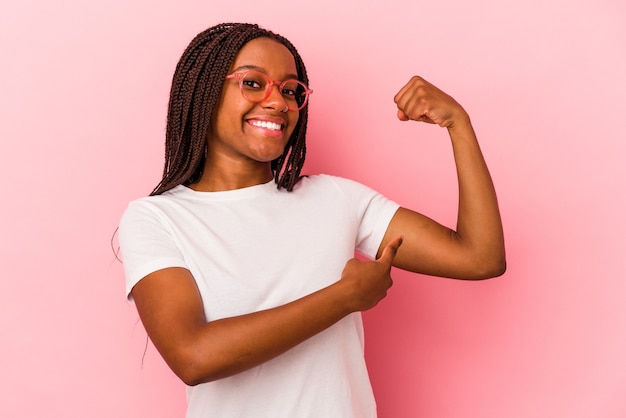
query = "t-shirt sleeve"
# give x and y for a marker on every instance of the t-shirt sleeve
(146, 243)
(374, 212)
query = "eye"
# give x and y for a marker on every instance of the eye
(251, 84)
(253, 81)
(289, 92)
(292, 89)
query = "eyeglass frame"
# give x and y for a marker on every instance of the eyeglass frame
(240, 75)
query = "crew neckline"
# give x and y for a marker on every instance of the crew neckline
(244, 192)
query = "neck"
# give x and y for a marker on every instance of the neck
(218, 179)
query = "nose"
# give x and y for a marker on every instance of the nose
(275, 99)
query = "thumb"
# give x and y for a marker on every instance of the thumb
(390, 250)
(402, 116)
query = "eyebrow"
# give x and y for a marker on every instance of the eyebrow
(262, 70)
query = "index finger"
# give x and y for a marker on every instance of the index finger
(400, 93)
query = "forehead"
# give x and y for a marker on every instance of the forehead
(266, 53)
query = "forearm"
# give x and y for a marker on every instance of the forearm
(479, 226)
(225, 347)
(475, 248)
(170, 307)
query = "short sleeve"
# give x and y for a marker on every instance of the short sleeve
(374, 212)
(147, 243)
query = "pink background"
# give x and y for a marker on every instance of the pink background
(83, 93)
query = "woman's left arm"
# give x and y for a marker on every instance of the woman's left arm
(475, 250)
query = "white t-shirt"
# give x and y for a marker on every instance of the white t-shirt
(257, 248)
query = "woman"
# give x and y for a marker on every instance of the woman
(242, 270)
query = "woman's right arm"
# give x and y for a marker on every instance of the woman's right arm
(170, 307)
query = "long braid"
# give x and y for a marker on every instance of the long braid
(288, 175)
(195, 93)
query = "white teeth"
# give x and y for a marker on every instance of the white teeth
(266, 125)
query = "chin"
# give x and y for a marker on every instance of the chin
(267, 155)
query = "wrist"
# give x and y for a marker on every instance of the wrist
(340, 297)
(461, 122)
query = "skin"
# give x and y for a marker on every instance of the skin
(239, 154)
(475, 250)
(169, 302)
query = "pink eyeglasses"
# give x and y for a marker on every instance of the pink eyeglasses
(256, 86)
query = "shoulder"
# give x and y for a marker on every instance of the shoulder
(348, 188)
(151, 204)
(333, 182)
(150, 210)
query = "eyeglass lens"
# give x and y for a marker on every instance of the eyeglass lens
(256, 87)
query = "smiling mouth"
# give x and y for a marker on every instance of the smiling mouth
(267, 125)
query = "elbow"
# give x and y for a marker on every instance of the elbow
(187, 371)
(193, 369)
(196, 368)
(489, 269)
(190, 377)
(496, 271)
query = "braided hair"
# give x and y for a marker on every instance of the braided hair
(195, 93)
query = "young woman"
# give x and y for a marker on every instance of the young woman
(242, 270)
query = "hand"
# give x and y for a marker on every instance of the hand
(369, 281)
(421, 101)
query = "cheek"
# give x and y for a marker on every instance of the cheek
(228, 116)
(293, 122)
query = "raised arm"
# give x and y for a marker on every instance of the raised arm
(170, 307)
(475, 250)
